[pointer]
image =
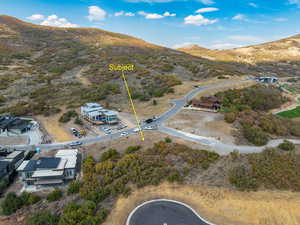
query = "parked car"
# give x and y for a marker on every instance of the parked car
(75, 143)
(123, 134)
(136, 130)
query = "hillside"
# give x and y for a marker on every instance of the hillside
(281, 57)
(44, 66)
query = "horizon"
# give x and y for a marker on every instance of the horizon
(206, 23)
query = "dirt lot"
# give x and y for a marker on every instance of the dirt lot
(201, 123)
(218, 205)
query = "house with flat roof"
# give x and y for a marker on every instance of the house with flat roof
(50, 170)
(95, 113)
(14, 125)
(9, 162)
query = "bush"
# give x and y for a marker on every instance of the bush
(55, 195)
(2, 99)
(287, 146)
(255, 135)
(11, 204)
(43, 218)
(74, 187)
(230, 117)
(132, 149)
(235, 155)
(242, 178)
(110, 154)
(66, 117)
(154, 102)
(168, 140)
(78, 121)
(3, 184)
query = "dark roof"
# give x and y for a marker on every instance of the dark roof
(42, 163)
(6, 121)
(47, 163)
(3, 164)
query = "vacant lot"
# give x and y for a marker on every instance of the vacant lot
(203, 124)
(218, 205)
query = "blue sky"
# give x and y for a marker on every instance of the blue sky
(171, 23)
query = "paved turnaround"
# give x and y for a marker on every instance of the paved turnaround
(165, 212)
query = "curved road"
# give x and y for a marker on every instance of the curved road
(165, 212)
(218, 146)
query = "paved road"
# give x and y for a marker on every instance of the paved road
(165, 212)
(220, 147)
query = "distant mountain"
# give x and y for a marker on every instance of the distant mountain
(68, 66)
(280, 57)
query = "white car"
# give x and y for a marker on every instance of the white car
(136, 130)
(124, 134)
(148, 128)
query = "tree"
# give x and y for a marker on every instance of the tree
(43, 218)
(55, 195)
(11, 203)
(74, 187)
(287, 146)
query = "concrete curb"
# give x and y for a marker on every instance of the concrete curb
(166, 200)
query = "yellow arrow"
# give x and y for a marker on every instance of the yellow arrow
(133, 108)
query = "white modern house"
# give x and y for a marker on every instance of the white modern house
(95, 113)
(50, 171)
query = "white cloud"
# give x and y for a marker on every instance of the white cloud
(281, 19)
(239, 17)
(129, 14)
(122, 13)
(245, 38)
(207, 2)
(199, 20)
(206, 10)
(294, 2)
(36, 17)
(252, 4)
(169, 14)
(152, 16)
(55, 21)
(224, 46)
(96, 14)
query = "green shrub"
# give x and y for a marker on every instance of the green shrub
(255, 135)
(78, 121)
(74, 187)
(132, 149)
(43, 218)
(11, 204)
(242, 178)
(110, 154)
(168, 140)
(287, 146)
(3, 184)
(55, 195)
(66, 117)
(2, 99)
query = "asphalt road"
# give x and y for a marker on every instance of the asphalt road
(220, 147)
(165, 212)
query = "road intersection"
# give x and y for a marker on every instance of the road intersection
(178, 104)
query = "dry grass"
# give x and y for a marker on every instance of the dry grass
(151, 137)
(239, 85)
(54, 128)
(218, 205)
